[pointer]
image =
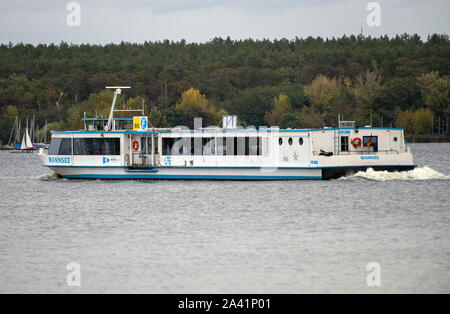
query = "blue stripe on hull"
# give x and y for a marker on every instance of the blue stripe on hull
(188, 177)
(215, 167)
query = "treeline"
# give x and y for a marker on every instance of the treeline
(402, 81)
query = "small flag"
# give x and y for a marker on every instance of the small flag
(369, 143)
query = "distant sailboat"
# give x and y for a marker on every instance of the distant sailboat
(26, 141)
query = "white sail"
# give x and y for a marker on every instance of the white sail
(29, 143)
(24, 145)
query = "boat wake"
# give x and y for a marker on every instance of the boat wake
(418, 174)
(51, 177)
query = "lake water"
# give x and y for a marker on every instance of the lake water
(226, 237)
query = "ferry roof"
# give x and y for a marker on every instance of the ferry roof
(218, 130)
(103, 119)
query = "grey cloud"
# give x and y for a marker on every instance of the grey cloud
(162, 6)
(105, 21)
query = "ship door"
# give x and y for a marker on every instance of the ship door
(147, 154)
(153, 152)
(139, 152)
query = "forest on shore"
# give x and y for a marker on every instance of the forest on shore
(301, 83)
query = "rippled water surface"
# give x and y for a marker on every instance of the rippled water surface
(226, 237)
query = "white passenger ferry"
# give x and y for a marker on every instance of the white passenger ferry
(129, 148)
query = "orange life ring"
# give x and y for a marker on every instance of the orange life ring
(136, 145)
(356, 142)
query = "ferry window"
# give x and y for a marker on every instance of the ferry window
(66, 147)
(290, 141)
(280, 141)
(111, 146)
(395, 139)
(252, 146)
(226, 146)
(237, 146)
(344, 143)
(96, 146)
(300, 140)
(371, 141)
(240, 146)
(197, 144)
(167, 144)
(54, 146)
(220, 146)
(230, 146)
(208, 146)
(143, 144)
(155, 140)
(149, 144)
(176, 146)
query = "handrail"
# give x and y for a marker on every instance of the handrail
(361, 152)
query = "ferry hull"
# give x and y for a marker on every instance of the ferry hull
(172, 173)
(255, 174)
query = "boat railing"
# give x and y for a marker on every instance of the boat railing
(363, 152)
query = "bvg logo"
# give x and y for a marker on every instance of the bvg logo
(106, 160)
(144, 123)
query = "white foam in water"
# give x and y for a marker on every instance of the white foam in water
(423, 173)
(50, 177)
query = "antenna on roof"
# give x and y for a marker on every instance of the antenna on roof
(118, 91)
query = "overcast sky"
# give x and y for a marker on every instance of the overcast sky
(106, 21)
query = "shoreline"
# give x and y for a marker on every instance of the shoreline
(416, 139)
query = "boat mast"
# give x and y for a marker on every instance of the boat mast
(118, 91)
(32, 129)
(12, 133)
(44, 135)
(19, 129)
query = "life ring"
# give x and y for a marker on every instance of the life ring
(136, 145)
(356, 142)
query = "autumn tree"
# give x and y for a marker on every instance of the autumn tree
(282, 105)
(327, 97)
(435, 93)
(193, 104)
(366, 90)
(415, 122)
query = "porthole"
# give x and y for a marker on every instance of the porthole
(290, 141)
(280, 141)
(300, 140)
(395, 139)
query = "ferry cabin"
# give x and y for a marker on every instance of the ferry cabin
(223, 153)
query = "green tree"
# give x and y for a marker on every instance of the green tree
(252, 104)
(7, 119)
(291, 120)
(157, 118)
